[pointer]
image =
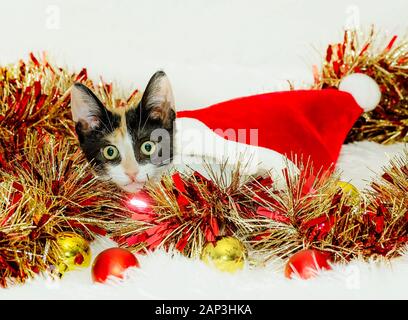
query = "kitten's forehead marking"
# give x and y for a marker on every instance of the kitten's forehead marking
(122, 139)
(120, 132)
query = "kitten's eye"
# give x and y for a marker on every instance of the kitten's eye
(110, 152)
(148, 148)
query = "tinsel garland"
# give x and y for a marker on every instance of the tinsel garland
(46, 185)
(35, 98)
(50, 191)
(324, 217)
(185, 211)
(387, 63)
(311, 211)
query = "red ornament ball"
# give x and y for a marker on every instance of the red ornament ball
(112, 262)
(306, 263)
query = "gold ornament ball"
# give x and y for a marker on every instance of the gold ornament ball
(74, 251)
(350, 191)
(227, 254)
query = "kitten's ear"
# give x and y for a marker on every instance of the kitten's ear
(158, 100)
(85, 107)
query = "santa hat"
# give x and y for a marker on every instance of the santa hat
(308, 123)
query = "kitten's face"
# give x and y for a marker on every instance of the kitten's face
(127, 146)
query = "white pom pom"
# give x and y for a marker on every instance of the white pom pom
(363, 88)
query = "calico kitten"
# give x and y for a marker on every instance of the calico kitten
(128, 145)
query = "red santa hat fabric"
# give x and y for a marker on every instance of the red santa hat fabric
(308, 123)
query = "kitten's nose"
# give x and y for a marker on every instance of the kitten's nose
(132, 175)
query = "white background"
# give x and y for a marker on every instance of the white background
(211, 50)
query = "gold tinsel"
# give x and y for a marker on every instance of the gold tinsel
(387, 63)
(312, 210)
(35, 98)
(50, 191)
(186, 211)
(46, 186)
(321, 215)
(309, 211)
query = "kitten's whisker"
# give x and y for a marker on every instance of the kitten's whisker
(144, 124)
(107, 116)
(106, 127)
(140, 117)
